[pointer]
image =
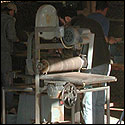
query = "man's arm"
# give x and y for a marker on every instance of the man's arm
(112, 40)
(11, 31)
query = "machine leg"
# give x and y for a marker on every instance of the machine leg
(73, 115)
(108, 104)
(77, 110)
(37, 100)
(3, 106)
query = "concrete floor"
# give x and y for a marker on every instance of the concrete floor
(113, 120)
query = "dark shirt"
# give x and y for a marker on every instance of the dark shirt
(101, 54)
(8, 33)
(102, 20)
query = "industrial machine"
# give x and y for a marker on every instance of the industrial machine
(53, 77)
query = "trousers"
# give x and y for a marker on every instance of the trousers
(6, 77)
(93, 102)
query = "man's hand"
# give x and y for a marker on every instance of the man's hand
(17, 40)
(113, 40)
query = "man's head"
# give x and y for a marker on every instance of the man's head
(102, 7)
(9, 8)
(13, 8)
(66, 14)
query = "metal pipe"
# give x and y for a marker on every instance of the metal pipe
(37, 100)
(77, 110)
(108, 104)
(73, 115)
(19, 89)
(3, 107)
(93, 89)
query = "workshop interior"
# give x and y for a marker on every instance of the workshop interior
(48, 81)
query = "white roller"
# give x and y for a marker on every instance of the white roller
(59, 65)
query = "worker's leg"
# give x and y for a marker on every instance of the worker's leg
(97, 100)
(98, 107)
(6, 74)
(87, 108)
(99, 96)
(87, 105)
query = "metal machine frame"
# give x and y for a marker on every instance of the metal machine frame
(38, 90)
(37, 65)
(74, 117)
(39, 46)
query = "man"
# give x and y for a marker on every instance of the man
(8, 36)
(100, 16)
(93, 103)
(66, 14)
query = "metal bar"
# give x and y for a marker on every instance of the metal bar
(117, 20)
(19, 89)
(73, 115)
(93, 89)
(37, 100)
(29, 46)
(77, 110)
(108, 104)
(90, 52)
(37, 80)
(3, 107)
(49, 46)
(37, 43)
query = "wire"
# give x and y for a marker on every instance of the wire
(67, 47)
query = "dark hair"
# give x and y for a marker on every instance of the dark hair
(101, 5)
(64, 11)
(5, 9)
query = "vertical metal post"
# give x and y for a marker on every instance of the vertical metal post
(93, 7)
(37, 80)
(108, 104)
(77, 110)
(90, 51)
(73, 115)
(3, 106)
(89, 6)
(37, 100)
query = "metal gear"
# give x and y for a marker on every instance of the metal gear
(69, 95)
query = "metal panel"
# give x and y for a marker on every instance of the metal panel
(51, 111)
